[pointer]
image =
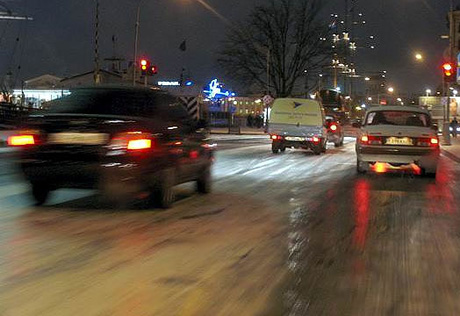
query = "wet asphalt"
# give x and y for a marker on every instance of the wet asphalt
(286, 234)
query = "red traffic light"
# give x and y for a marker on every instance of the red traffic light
(447, 67)
(449, 72)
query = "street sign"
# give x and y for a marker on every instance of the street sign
(458, 65)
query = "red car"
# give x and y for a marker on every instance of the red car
(334, 131)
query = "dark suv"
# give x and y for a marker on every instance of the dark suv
(127, 142)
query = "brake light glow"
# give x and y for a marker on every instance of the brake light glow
(380, 167)
(434, 141)
(138, 144)
(315, 139)
(333, 127)
(364, 139)
(21, 140)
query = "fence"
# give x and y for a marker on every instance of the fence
(11, 114)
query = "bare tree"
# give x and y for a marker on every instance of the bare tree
(276, 44)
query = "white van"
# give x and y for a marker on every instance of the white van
(297, 123)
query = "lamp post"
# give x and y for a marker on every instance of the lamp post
(136, 41)
(97, 75)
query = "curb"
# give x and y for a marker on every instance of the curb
(450, 155)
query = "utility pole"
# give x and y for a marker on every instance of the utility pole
(446, 125)
(136, 41)
(97, 76)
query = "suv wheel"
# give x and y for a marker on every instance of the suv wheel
(164, 192)
(203, 184)
(40, 193)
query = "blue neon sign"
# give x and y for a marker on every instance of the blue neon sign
(215, 91)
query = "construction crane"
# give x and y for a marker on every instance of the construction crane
(8, 15)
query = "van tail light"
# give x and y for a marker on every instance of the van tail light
(371, 140)
(428, 142)
(132, 141)
(333, 127)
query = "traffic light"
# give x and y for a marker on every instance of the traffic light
(153, 70)
(450, 72)
(145, 65)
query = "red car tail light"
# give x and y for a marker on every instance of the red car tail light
(138, 144)
(24, 138)
(316, 139)
(333, 127)
(21, 140)
(132, 141)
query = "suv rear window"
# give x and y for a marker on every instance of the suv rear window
(400, 118)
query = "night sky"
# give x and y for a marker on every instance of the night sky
(60, 39)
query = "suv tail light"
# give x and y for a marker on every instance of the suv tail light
(371, 140)
(132, 141)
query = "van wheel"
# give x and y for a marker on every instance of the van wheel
(164, 192)
(40, 193)
(203, 184)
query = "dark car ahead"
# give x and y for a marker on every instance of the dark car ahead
(126, 142)
(335, 132)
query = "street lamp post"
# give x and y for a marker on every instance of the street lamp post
(136, 41)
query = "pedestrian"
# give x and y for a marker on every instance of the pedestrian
(250, 120)
(454, 125)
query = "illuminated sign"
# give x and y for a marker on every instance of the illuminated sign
(169, 83)
(215, 90)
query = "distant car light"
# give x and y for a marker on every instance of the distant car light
(333, 127)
